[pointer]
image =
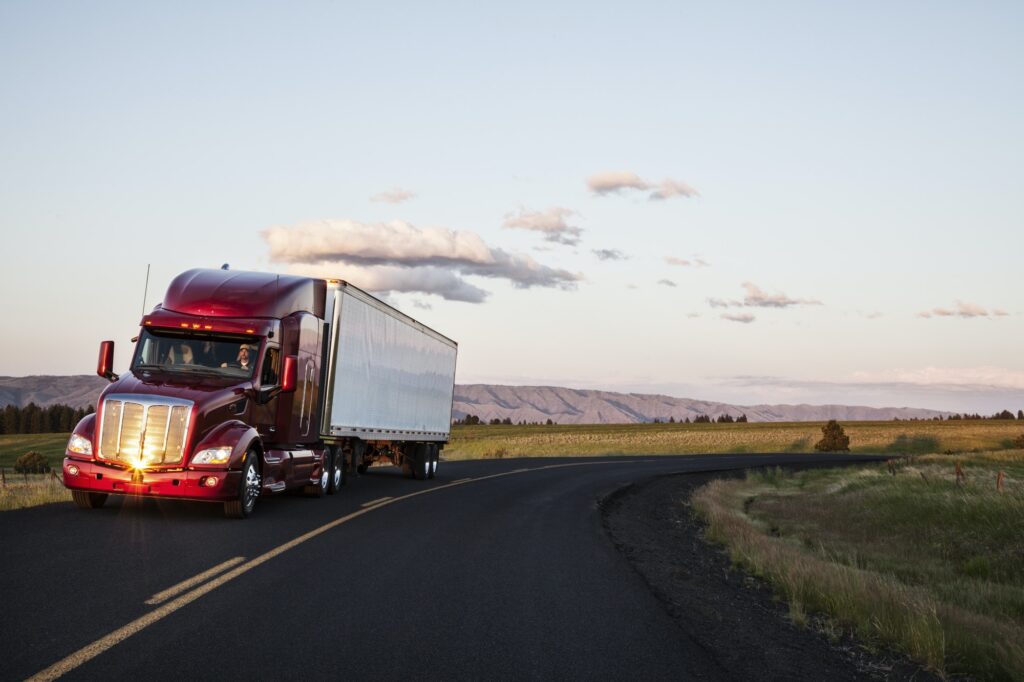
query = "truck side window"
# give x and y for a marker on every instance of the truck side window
(269, 375)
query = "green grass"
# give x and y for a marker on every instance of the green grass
(476, 442)
(51, 445)
(911, 559)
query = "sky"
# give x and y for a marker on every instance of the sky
(748, 202)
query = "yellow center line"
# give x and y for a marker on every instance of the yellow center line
(373, 503)
(91, 651)
(184, 585)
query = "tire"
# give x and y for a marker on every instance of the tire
(320, 488)
(361, 469)
(248, 490)
(435, 455)
(421, 464)
(87, 500)
(337, 471)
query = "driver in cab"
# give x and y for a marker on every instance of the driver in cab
(243, 360)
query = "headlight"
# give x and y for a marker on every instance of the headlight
(80, 445)
(213, 455)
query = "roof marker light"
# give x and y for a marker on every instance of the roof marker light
(250, 331)
(184, 325)
(207, 326)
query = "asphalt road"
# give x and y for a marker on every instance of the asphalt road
(495, 569)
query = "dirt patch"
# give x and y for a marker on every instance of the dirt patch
(731, 615)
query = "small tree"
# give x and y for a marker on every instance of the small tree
(1018, 442)
(742, 419)
(834, 439)
(32, 463)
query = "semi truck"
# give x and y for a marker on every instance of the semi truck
(247, 384)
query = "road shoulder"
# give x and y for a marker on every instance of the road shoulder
(731, 615)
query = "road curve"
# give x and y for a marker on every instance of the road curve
(496, 569)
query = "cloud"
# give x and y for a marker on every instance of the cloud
(687, 263)
(666, 283)
(744, 318)
(397, 256)
(610, 254)
(964, 310)
(615, 182)
(669, 188)
(394, 196)
(553, 223)
(757, 298)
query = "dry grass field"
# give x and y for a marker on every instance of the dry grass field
(906, 554)
(476, 442)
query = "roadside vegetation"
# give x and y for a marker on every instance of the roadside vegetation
(893, 437)
(30, 470)
(922, 554)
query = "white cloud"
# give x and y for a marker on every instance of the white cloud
(397, 256)
(744, 318)
(615, 182)
(553, 223)
(757, 298)
(394, 196)
(669, 188)
(964, 310)
(985, 375)
(666, 283)
(610, 254)
(695, 262)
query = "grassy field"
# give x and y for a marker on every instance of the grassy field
(476, 442)
(49, 444)
(30, 490)
(906, 557)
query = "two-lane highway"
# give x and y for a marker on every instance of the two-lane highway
(496, 569)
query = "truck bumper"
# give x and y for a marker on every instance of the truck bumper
(184, 485)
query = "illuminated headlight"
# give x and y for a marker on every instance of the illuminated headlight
(213, 455)
(80, 445)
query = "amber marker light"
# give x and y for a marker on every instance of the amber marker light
(72, 469)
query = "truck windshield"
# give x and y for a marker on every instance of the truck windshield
(183, 352)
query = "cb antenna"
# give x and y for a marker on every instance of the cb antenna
(145, 290)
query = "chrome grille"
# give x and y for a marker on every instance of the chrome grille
(143, 431)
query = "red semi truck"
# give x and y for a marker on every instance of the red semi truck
(245, 384)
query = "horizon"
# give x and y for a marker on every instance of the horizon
(751, 205)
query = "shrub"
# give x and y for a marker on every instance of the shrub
(1018, 442)
(32, 463)
(834, 439)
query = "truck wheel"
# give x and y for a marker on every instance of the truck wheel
(337, 472)
(319, 489)
(361, 469)
(421, 464)
(434, 456)
(248, 490)
(86, 500)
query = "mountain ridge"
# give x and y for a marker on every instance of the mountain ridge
(520, 403)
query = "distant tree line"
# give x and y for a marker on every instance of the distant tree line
(35, 419)
(473, 420)
(1005, 415)
(705, 419)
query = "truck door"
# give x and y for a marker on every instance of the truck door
(297, 412)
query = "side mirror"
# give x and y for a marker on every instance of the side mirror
(289, 374)
(105, 363)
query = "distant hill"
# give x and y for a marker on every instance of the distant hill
(518, 403)
(77, 391)
(572, 406)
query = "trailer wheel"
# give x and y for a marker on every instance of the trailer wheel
(248, 490)
(421, 463)
(361, 469)
(87, 500)
(434, 456)
(320, 488)
(337, 471)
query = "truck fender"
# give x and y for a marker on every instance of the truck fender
(86, 428)
(235, 433)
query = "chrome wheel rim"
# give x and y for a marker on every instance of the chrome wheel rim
(337, 476)
(323, 479)
(251, 490)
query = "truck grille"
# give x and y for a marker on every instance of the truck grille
(140, 431)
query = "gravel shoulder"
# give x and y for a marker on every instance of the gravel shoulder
(729, 614)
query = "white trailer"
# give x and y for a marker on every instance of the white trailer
(388, 383)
